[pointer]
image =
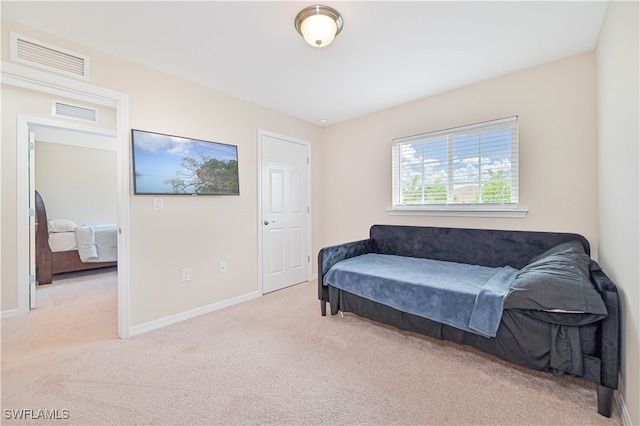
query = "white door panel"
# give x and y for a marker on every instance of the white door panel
(276, 239)
(296, 237)
(276, 192)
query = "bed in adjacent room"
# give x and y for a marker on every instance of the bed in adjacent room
(63, 246)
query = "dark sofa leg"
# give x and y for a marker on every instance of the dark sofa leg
(323, 308)
(605, 400)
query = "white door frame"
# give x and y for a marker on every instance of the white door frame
(31, 139)
(28, 126)
(262, 133)
(19, 76)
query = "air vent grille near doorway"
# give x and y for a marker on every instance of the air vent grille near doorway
(63, 109)
(51, 58)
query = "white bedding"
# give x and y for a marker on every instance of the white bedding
(62, 241)
(95, 243)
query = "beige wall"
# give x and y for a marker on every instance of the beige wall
(194, 232)
(557, 127)
(619, 179)
(11, 105)
(77, 183)
(198, 232)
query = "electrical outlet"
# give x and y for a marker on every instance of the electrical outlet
(223, 267)
(186, 274)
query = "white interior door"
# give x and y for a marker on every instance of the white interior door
(285, 212)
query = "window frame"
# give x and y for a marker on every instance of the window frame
(451, 207)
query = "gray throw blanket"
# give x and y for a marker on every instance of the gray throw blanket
(468, 297)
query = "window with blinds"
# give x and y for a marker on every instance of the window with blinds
(472, 167)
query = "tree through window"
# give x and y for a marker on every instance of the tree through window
(475, 165)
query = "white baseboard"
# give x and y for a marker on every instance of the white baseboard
(171, 319)
(9, 313)
(624, 413)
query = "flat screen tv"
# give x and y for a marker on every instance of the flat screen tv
(172, 165)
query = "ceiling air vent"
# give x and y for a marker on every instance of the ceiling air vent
(66, 110)
(51, 58)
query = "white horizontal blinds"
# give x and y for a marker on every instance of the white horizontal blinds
(472, 165)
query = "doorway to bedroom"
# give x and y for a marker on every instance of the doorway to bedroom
(74, 171)
(36, 90)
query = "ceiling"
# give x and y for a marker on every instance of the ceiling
(387, 54)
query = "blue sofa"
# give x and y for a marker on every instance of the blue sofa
(540, 327)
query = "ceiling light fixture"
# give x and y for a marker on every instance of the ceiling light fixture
(318, 25)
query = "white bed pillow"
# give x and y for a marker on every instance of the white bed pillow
(62, 241)
(61, 225)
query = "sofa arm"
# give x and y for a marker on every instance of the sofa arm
(329, 256)
(609, 329)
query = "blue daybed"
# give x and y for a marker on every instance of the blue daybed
(532, 298)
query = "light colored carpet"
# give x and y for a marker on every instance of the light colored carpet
(272, 360)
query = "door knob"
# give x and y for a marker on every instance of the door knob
(266, 222)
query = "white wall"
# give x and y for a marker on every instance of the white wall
(77, 183)
(557, 125)
(619, 180)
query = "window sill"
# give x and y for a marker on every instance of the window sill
(459, 212)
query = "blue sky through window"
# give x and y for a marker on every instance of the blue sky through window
(476, 158)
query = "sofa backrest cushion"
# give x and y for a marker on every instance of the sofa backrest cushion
(485, 247)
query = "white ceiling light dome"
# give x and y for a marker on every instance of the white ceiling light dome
(319, 25)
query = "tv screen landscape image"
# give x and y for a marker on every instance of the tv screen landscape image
(173, 165)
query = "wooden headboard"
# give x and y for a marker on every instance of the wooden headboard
(43, 251)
